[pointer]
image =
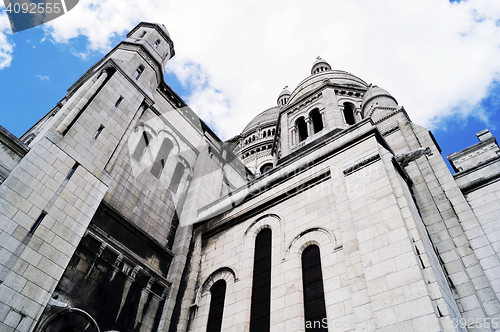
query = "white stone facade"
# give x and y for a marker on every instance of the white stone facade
(120, 210)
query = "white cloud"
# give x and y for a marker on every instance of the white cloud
(43, 77)
(6, 46)
(437, 58)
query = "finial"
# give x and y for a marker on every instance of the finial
(286, 86)
(318, 58)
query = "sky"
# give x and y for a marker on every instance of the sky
(440, 59)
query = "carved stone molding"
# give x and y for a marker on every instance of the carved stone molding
(306, 102)
(361, 164)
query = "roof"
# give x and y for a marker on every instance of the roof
(269, 116)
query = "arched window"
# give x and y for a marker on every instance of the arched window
(218, 291)
(349, 113)
(143, 34)
(302, 128)
(253, 138)
(264, 134)
(315, 116)
(261, 285)
(269, 132)
(266, 168)
(176, 178)
(142, 145)
(274, 130)
(157, 42)
(314, 298)
(138, 72)
(161, 157)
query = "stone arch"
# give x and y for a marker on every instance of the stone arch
(224, 272)
(316, 120)
(166, 161)
(301, 126)
(203, 298)
(319, 236)
(270, 220)
(165, 133)
(143, 142)
(146, 125)
(137, 144)
(53, 319)
(180, 176)
(348, 112)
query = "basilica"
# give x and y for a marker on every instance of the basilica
(122, 211)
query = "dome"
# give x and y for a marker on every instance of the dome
(374, 92)
(283, 97)
(333, 76)
(376, 95)
(285, 92)
(320, 65)
(269, 116)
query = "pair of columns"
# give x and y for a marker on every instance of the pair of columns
(294, 132)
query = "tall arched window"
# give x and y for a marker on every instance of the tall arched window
(176, 178)
(349, 113)
(142, 145)
(218, 291)
(302, 128)
(161, 157)
(314, 298)
(315, 116)
(261, 287)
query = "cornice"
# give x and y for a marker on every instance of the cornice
(159, 30)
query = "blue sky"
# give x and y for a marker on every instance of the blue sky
(441, 65)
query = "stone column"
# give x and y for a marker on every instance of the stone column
(293, 136)
(357, 115)
(310, 130)
(323, 118)
(63, 126)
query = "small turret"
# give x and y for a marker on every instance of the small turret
(376, 97)
(284, 96)
(320, 65)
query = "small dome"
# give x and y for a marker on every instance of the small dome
(320, 65)
(285, 92)
(374, 92)
(268, 117)
(377, 95)
(334, 76)
(283, 97)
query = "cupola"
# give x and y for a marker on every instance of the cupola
(376, 97)
(284, 96)
(320, 65)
